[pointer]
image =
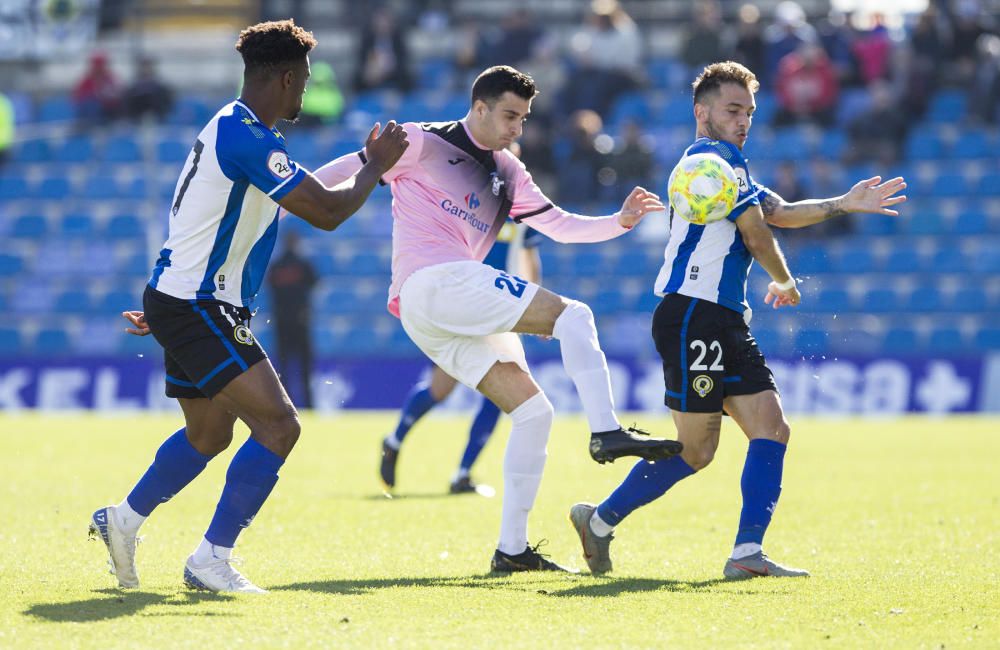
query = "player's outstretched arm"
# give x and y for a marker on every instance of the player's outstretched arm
(327, 208)
(870, 196)
(759, 240)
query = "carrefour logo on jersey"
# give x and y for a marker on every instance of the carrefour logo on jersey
(455, 210)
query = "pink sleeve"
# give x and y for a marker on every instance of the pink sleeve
(531, 205)
(410, 157)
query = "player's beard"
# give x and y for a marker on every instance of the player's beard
(716, 133)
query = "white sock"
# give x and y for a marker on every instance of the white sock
(207, 551)
(743, 550)
(127, 519)
(393, 442)
(522, 470)
(585, 364)
(600, 527)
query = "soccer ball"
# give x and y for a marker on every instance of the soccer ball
(703, 188)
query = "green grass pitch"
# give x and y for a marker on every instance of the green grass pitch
(898, 520)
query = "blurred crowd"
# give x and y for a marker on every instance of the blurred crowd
(810, 65)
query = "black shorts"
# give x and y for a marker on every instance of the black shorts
(206, 343)
(708, 354)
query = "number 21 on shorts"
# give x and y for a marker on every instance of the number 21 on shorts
(699, 346)
(511, 283)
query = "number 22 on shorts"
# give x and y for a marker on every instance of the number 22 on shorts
(511, 283)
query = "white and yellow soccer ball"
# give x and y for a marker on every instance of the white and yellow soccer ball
(703, 188)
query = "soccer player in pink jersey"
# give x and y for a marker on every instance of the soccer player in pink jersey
(452, 191)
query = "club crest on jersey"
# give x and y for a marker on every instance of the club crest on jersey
(498, 184)
(703, 385)
(472, 200)
(243, 335)
(278, 164)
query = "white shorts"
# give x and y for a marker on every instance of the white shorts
(460, 314)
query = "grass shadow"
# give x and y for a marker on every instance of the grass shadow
(115, 603)
(367, 585)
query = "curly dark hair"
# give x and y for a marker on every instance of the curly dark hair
(268, 46)
(494, 82)
(713, 76)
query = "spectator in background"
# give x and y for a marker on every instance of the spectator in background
(382, 55)
(292, 279)
(984, 102)
(872, 49)
(547, 69)
(703, 40)
(536, 153)
(787, 183)
(807, 87)
(836, 36)
(748, 46)
(97, 96)
(632, 159)
(929, 42)
(511, 42)
(147, 94)
(6, 128)
(789, 31)
(877, 133)
(323, 102)
(966, 28)
(578, 172)
(607, 53)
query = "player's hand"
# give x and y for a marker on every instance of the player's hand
(781, 297)
(871, 197)
(384, 149)
(640, 202)
(138, 319)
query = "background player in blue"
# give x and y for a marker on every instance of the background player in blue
(222, 225)
(711, 363)
(515, 251)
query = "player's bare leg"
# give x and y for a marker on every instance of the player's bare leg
(762, 420)
(258, 398)
(572, 323)
(516, 393)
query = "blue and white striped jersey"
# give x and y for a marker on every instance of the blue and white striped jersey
(710, 262)
(224, 215)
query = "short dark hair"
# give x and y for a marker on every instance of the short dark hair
(493, 82)
(266, 47)
(713, 76)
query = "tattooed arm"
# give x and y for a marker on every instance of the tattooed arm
(866, 196)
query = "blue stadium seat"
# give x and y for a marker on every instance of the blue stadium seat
(988, 338)
(768, 340)
(118, 300)
(969, 299)
(855, 259)
(172, 152)
(134, 190)
(973, 144)
(30, 226)
(587, 263)
(880, 300)
(74, 301)
(767, 105)
(340, 299)
(436, 73)
(903, 260)
(631, 107)
(77, 225)
(988, 185)
(986, 260)
(924, 145)
(974, 222)
(811, 342)
(10, 265)
(946, 106)
(835, 301)
(124, 226)
(52, 341)
(608, 302)
(677, 111)
(34, 151)
(832, 144)
(75, 149)
(367, 263)
(901, 340)
(811, 259)
(925, 299)
(790, 144)
(950, 259)
(924, 223)
(14, 187)
(11, 344)
(946, 339)
(53, 188)
(853, 102)
(56, 109)
(190, 111)
(122, 149)
(950, 185)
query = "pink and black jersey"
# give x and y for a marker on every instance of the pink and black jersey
(451, 197)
